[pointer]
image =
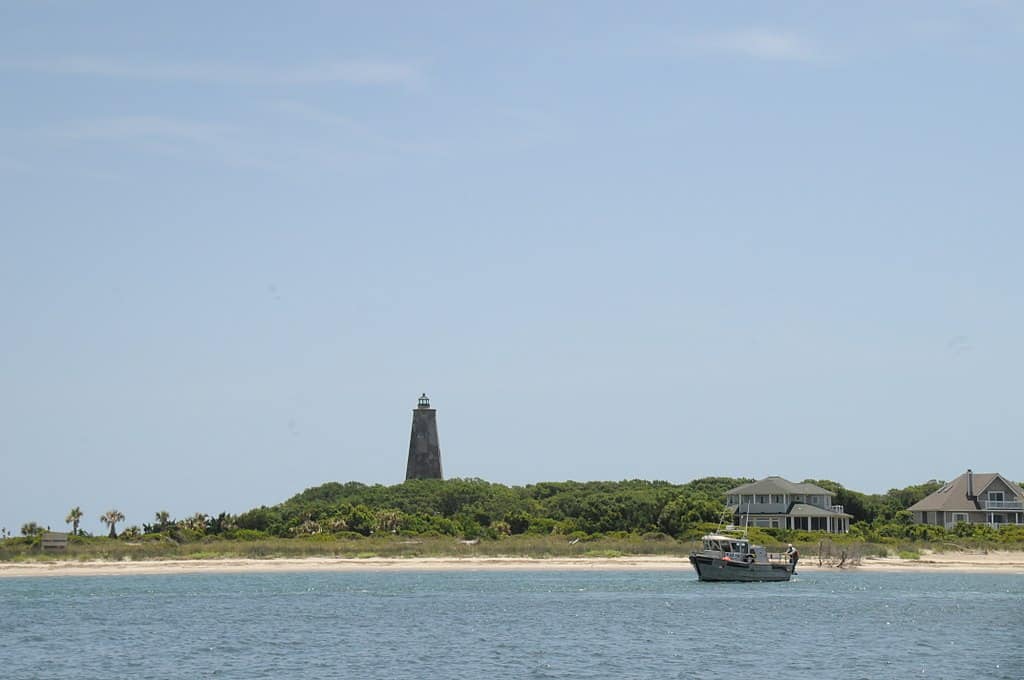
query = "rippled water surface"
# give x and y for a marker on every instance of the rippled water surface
(512, 625)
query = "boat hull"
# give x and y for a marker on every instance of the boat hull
(718, 569)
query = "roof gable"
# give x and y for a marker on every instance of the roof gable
(1014, 489)
(952, 496)
(779, 485)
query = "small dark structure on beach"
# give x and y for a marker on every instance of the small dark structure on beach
(424, 448)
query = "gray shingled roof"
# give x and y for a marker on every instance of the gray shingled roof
(805, 510)
(953, 495)
(778, 485)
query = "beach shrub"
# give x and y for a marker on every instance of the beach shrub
(245, 534)
(567, 526)
(518, 521)
(542, 525)
(469, 528)
(322, 538)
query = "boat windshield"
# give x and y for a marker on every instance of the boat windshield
(727, 546)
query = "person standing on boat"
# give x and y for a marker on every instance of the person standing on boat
(794, 557)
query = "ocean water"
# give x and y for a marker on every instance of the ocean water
(488, 624)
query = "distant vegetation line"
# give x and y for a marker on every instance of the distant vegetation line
(459, 510)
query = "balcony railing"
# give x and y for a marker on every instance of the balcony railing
(1002, 505)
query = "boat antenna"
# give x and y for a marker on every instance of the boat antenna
(721, 520)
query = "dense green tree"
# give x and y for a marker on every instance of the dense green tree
(895, 500)
(862, 507)
(260, 519)
(687, 510)
(715, 488)
(518, 521)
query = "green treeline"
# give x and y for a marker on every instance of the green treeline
(472, 509)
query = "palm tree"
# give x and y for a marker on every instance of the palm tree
(73, 518)
(31, 529)
(131, 532)
(196, 522)
(163, 520)
(111, 518)
(389, 520)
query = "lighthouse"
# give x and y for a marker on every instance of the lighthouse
(424, 448)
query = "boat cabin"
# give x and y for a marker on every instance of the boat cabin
(733, 548)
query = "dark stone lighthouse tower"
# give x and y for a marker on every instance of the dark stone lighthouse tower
(424, 448)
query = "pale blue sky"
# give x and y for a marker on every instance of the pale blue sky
(239, 240)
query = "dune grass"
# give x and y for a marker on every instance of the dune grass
(826, 550)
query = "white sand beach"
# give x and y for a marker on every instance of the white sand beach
(992, 561)
(995, 562)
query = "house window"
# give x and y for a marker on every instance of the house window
(777, 498)
(959, 517)
(815, 500)
(995, 496)
(762, 499)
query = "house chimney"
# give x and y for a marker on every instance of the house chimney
(970, 485)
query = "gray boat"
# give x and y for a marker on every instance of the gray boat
(727, 558)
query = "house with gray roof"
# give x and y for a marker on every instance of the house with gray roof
(972, 498)
(778, 503)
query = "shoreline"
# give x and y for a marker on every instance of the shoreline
(992, 562)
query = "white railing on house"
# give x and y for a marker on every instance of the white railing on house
(837, 508)
(1002, 505)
